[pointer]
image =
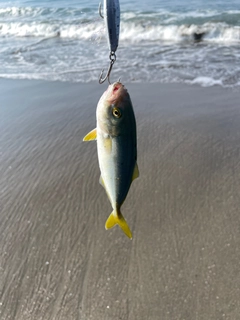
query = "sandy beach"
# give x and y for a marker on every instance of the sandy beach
(57, 261)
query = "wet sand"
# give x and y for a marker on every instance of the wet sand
(58, 262)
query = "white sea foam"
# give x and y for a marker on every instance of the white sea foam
(219, 32)
(20, 11)
(206, 81)
(48, 76)
(23, 12)
(222, 33)
(34, 29)
(130, 31)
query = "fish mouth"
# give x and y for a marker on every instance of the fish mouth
(116, 91)
(117, 86)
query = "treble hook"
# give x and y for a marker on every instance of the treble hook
(112, 58)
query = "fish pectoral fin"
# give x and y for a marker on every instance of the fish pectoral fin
(135, 172)
(92, 135)
(114, 219)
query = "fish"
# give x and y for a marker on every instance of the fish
(111, 15)
(116, 137)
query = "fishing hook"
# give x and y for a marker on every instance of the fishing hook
(112, 58)
(100, 10)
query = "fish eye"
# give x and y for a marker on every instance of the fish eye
(116, 112)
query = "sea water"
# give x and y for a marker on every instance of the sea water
(194, 41)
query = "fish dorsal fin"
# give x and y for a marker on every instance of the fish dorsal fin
(92, 135)
(135, 172)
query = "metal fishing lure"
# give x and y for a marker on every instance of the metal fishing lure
(111, 16)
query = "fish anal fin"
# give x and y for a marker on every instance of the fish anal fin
(92, 135)
(101, 181)
(135, 172)
(114, 219)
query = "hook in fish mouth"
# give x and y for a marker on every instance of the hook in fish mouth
(114, 91)
(116, 86)
(117, 90)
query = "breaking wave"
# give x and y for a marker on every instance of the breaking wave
(34, 29)
(84, 23)
(217, 32)
(69, 44)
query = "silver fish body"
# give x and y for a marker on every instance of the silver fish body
(117, 149)
(111, 13)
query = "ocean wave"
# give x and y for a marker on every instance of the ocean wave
(19, 11)
(49, 77)
(217, 32)
(160, 16)
(161, 25)
(46, 30)
(69, 44)
(203, 81)
(199, 17)
(34, 12)
(130, 32)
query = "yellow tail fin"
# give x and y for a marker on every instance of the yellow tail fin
(114, 219)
